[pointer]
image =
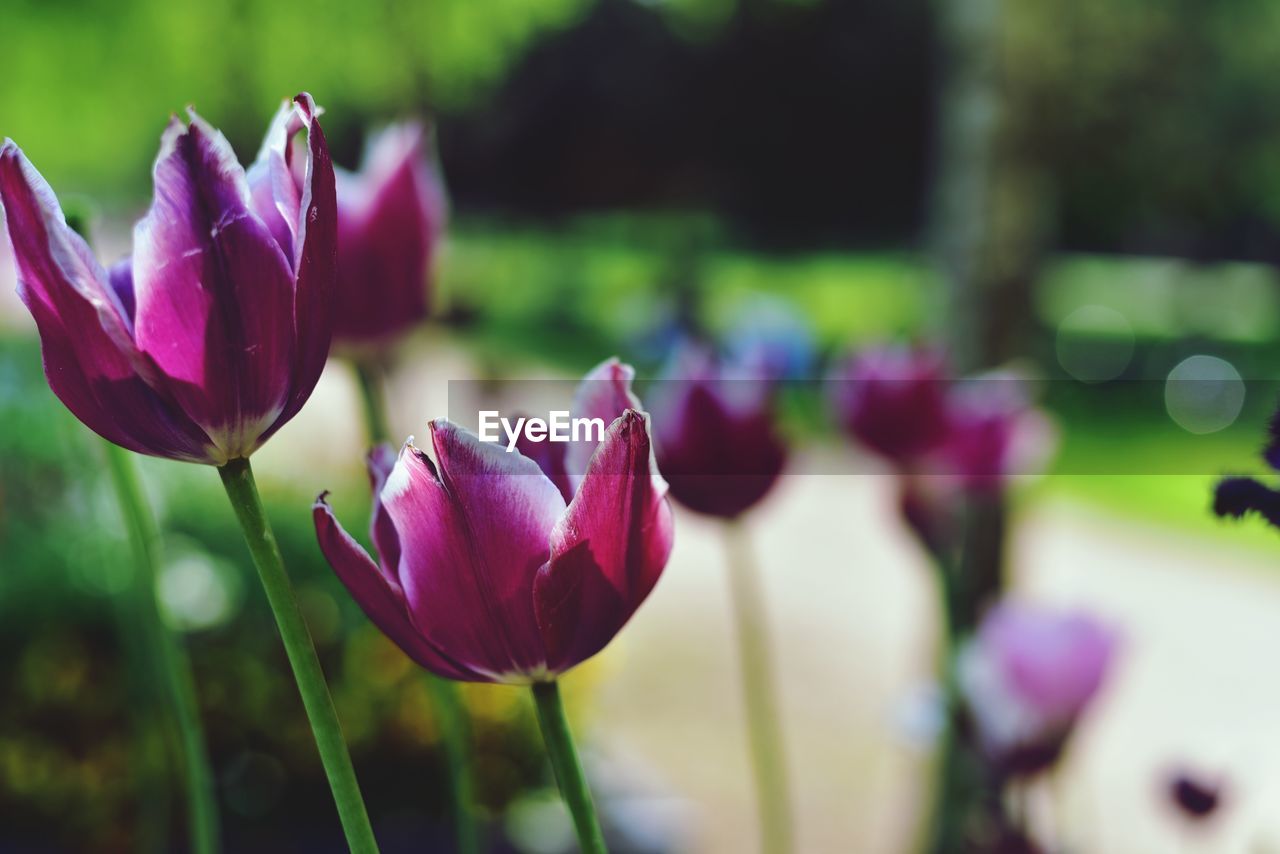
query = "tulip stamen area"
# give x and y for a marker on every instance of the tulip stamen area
(559, 426)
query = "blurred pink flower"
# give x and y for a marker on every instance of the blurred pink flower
(993, 432)
(717, 445)
(391, 215)
(1027, 677)
(904, 406)
(892, 401)
(945, 439)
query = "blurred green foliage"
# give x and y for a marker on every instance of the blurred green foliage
(90, 82)
(82, 753)
(1149, 123)
(594, 284)
(1166, 298)
(597, 283)
(1155, 117)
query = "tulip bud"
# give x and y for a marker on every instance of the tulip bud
(486, 573)
(1027, 677)
(717, 445)
(213, 335)
(391, 215)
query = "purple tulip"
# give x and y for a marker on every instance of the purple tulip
(1027, 676)
(717, 445)
(1194, 796)
(904, 406)
(214, 334)
(992, 433)
(486, 572)
(390, 217)
(893, 401)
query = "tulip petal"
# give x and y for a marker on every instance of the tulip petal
(379, 596)
(277, 175)
(474, 530)
(1059, 666)
(317, 238)
(275, 200)
(214, 293)
(608, 550)
(89, 356)
(381, 462)
(120, 278)
(604, 393)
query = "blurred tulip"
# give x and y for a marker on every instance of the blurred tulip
(1195, 797)
(390, 218)
(893, 401)
(717, 445)
(718, 448)
(903, 405)
(214, 334)
(487, 574)
(946, 439)
(993, 432)
(1026, 678)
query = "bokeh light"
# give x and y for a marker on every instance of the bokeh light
(1204, 394)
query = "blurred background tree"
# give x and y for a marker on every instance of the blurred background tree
(1152, 127)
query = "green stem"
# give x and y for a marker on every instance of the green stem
(953, 781)
(568, 770)
(171, 664)
(764, 730)
(237, 479)
(370, 376)
(977, 576)
(446, 699)
(969, 579)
